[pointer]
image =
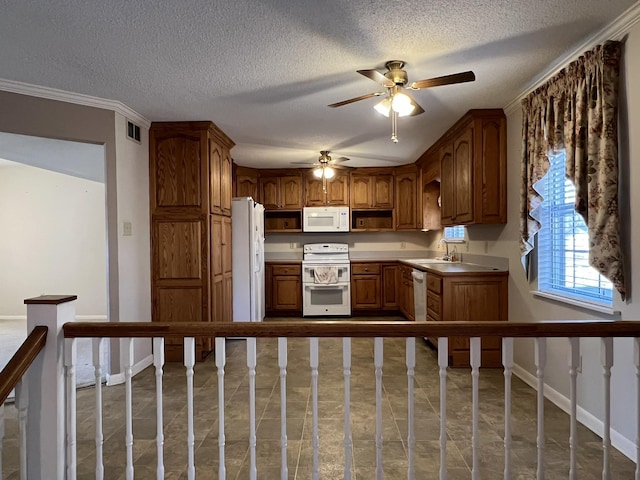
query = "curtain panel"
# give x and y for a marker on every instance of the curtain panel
(577, 110)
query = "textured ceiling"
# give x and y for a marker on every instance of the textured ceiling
(265, 71)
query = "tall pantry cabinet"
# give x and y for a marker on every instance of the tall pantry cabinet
(190, 194)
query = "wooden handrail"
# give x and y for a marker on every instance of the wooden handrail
(21, 361)
(348, 328)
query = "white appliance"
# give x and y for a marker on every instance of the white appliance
(247, 231)
(325, 219)
(419, 295)
(326, 280)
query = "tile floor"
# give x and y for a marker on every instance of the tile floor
(299, 426)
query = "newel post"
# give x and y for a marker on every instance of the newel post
(45, 379)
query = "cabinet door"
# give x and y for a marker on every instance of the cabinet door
(382, 191)
(225, 183)
(225, 245)
(268, 290)
(463, 177)
(389, 287)
(365, 292)
(430, 207)
(287, 292)
(314, 195)
(291, 192)
(215, 176)
(270, 192)
(360, 191)
(338, 190)
(406, 194)
(447, 186)
(247, 186)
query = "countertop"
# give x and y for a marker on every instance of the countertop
(448, 268)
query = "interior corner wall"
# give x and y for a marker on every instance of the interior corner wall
(27, 115)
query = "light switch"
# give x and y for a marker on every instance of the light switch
(126, 229)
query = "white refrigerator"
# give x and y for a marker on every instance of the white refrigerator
(247, 233)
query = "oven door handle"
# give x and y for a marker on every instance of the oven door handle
(325, 286)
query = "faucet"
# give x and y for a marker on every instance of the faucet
(446, 257)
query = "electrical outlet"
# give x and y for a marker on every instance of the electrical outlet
(292, 245)
(127, 229)
(403, 245)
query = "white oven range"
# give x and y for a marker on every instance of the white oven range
(326, 280)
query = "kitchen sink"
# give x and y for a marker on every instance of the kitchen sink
(426, 261)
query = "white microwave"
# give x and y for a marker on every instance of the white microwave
(325, 219)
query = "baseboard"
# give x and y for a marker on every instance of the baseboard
(620, 442)
(118, 378)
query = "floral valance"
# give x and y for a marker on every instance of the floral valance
(577, 110)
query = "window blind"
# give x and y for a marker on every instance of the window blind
(563, 242)
(454, 233)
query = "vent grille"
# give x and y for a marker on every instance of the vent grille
(133, 131)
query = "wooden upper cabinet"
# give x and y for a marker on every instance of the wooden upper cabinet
(283, 192)
(406, 200)
(215, 175)
(246, 182)
(176, 169)
(371, 189)
(473, 169)
(226, 183)
(337, 190)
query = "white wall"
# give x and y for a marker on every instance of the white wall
(53, 239)
(134, 251)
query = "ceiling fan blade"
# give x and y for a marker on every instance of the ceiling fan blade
(340, 160)
(446, 80)
(356, 99)
(311, 164)
(377, 77)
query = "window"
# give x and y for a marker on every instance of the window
(454, 233)
(563, 243)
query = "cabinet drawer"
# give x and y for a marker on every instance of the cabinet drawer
(433, 304)
(287, 270)
(434, 283)
(365, 268)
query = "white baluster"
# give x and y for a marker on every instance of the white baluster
(1, 435)
(636, 361)
(540, 362)
(348, 442)
(158, 363)
(70, 350)
(282, 363)
(475, 358)
(189, 362)
(128, 362)
(313, 363)
(574, 364)
(607, 363)
(251, 364)
(507, 363)
(221, 359)
(443, 363)
(96, 352)
(22, 404)
(411, 368)
(378, 356)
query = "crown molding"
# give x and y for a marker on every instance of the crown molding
(616, 30)
(76, 98)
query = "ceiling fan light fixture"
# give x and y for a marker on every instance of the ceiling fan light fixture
(402, 104)
(318, 172)
(328, 172)
(383, 107)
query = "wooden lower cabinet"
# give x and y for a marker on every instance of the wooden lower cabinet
(469, 298)
(283, 281)
(373, 287)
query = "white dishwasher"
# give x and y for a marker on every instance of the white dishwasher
(419, 295)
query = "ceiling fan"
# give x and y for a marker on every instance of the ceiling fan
(324, 167)
(396, 102)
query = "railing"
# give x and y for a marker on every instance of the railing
(346, 330)
(11, 377)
